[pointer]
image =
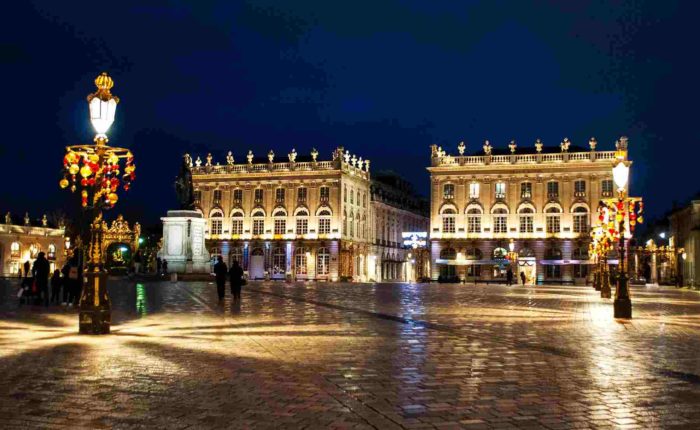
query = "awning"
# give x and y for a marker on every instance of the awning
(465, 262)
(567, 262)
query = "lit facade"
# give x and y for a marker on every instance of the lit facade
(537, 201)
(298, 219)
(685, 235)
(395, 209)
(22, 242)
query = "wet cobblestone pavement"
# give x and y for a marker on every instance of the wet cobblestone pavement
(355, 356)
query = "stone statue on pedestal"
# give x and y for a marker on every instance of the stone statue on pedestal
(183, 185)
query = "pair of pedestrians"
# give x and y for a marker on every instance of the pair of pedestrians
(235, 275)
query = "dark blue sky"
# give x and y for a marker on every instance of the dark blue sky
(383, 78)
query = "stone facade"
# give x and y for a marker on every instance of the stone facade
(298, 218)
(396, 208)
(685, 233)
(537, 200)
(22, 240)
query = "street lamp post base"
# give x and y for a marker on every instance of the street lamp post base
(605, 292)
(95, 311)
(623, 308)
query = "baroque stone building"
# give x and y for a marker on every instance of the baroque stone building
(21, 241)
(685, 235)
(396, 209)
(537, 201)
(298, 218)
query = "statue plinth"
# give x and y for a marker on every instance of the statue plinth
(183, 242)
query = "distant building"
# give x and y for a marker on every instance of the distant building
(538, 200)
(396, 209)
(292, 218)
(22, 240)
(685, 234)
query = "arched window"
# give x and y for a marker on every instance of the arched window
(15, 250)
(526, 252)
(302, 220)
(473, 254)
(237, 222)
(280, 219)
(500, 220)
(279, 261)
(499, 253)
(324, 220)
(258, 221)
(580, 219)
(323, 261)
(34, 249)
(552, 254)
(216, 221)
(448, 254)
(300, 260)
(474, 220)
(553, 219)
(525, 215)
(236, 254)
(51, 252)
(448, 220)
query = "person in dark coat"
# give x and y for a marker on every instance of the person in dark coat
(26, 268)
(523, 278)
(65, 271)
(509, 277)
(56, 283)
(236, 279)
(159, 264)
(220, 270)
(40, 271)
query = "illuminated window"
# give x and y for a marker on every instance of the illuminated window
(258, 222)
(258, 195)
(553, 190)
(526, 190)
(580, 220)
(237, 196)
(324, 221)
(500, 190)
(279, 195)
(34, 250)
(236, 254)
(217, 222)
(448, 220)
(526, 225)
(300, 260)
(500, 221)
(474, 190)
(474, 220)
(14, 250)
(448, 191)
(301, 195)
(197, 196)
(553, 220)
(323, 261)
(51, 252)
(279, 261)
(237, 222)
(280, 225)
(580, 188)
(324, 194)
(217, 197)
(607, 187)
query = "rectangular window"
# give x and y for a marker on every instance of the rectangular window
(553, 224)
(607, 187)
(352, 197)
(217, 197)
(474, 190)
(258, 226)
(237, 196)
(302, 226)
(280, 226)
(237, 227)
(580, 223)
(526, 190)
(279, 196)
(552, 271)
(474, 224)
(580, 188)
(500, 224)
(448, 224)
(324, 226)
(258, 195)
(448, 191)
(345, 194)
(197, 196)
(364, 200)
(216, 225)
(526, 224)
(301, 195)
(324, 194)
(500, 190)
(553, 190)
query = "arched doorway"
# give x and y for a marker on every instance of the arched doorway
(257, 264)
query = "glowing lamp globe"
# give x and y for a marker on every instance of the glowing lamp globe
(621, 173)
(103, 105)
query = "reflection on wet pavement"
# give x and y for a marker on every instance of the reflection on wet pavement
(355, 356)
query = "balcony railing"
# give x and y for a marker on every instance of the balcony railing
(526, 195)
(552, 196)
(561, 157)
(580, 194)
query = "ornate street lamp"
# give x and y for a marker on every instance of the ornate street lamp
(627, 212)
(97, 170)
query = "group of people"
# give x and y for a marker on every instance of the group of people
(235, 275)
(63, 287)
(510, 276)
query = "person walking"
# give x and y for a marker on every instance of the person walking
(509, 277)
(40, 271)
(165, 266)
(137, 262)
(27, 266)
(523, 278)
(220, 271)
(236, 279)
(71, 287)
(56, 283)
(159, 264)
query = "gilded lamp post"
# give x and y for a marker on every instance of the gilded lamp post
(618, 218)
(97, 170)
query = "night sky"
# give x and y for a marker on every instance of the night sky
(385, 79)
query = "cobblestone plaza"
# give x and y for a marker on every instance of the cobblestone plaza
(354, 356)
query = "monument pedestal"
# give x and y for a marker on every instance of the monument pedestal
(183, 242)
